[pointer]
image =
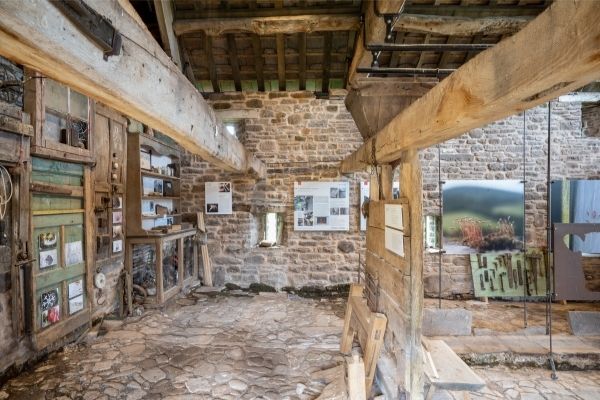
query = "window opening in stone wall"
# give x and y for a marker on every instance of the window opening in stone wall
(272, 226)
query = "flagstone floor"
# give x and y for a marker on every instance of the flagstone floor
(238, 347)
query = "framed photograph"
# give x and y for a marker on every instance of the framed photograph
(117, 232)
(75, 288)
(117, 246)
(117, 217)
(74, 253)
(48, 258)
(118, 202)
(168, 189)
(50, 316)
(158, 187)
(48, 240)
(75, 304)
(145, 160)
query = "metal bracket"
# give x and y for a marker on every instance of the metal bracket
(96, 27)
(389, 25)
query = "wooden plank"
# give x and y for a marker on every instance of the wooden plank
(390, 277)
(348, 331)
(356, 378)
(268, 25)
(141, 82)
(453, 373)
(259, 62)
(302, 60)
(206, 265)
(233, 59)
(280, 41)
(514, 75)
(376, 244)
(210, 60)
(264, 12)
(326, 62)
(10, 124)
(164, 17)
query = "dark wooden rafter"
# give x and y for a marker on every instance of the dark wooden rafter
(280, 39)
(350, 48)
(395, 58)
(302, 60)
(327, 47)
(233, 59)
(259, 62)
(264, 12)
(212, 68)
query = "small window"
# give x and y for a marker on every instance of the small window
(272, 229)
(67, 114)
(231, 129)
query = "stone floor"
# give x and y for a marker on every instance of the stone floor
(508, 316)
(532, 384)
(232, 347)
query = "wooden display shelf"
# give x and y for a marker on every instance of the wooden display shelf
(160, 198)
(160, 176)
(160, 216)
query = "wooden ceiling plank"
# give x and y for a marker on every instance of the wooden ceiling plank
(212, 68)
(554, 54)
(258, 62)
(141, 82)
(326, 62)
(302, 60)
(261, 12)
(460, 26)
(233, 59)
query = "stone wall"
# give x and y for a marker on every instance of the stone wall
(299, 138)
(496, 152)
(590, 117)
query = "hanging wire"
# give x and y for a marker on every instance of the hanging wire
(6, 191)
(524, 251)
(549, 246)
(440, 227)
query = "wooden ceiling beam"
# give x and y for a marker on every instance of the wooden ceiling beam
(141, 82)
(460, 26)
(269, 25)
(326, 62)
(280, 39)
(302, 60)
(233, 60)
(554, 54)
(164, 17)
(488, 10)
(258, 62)
(264, 12)
(212, 68)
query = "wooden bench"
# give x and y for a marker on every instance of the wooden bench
(446, 371)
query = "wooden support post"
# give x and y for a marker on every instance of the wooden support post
(259, 63)
(235, 68)
(411, 187)
(356, 378)
(302, 60)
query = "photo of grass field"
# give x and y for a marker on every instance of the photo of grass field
(480, 216)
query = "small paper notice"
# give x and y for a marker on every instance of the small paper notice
(393, 216)
(394, 240)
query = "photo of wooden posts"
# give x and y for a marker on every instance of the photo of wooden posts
(482, 216)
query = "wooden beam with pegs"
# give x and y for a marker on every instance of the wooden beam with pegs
(554, 54)
(142, 81)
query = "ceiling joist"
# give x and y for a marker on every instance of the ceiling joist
(557, 52)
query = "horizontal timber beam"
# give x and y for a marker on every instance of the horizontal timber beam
(556, 53)
(268, 25)
(437, 24)
(142, 82)
(265, 12)
(460, 26)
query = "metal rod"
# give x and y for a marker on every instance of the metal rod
(549, 245)
(436, 47)
(524, 218)
(440, 232)
(405, 71)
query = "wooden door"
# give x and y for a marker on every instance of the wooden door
(59, 285)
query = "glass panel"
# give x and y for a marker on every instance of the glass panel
(49, 300)
(55, 96)
(76, 295)
(47, 247)
(188, 257)
(79, 105)
(170, 264)
(79, 133)
(55, 127)
(144, 267)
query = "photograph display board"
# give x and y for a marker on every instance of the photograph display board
(218, 198)
(321, 206)
(482, 216)
(577, 202)
(499, 274)
(365, 195)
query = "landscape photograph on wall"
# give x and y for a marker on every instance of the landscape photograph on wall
(482, 215)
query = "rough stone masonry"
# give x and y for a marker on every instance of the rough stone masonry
(303, 138)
